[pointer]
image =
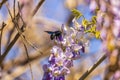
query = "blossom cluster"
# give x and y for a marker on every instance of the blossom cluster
(70, 43)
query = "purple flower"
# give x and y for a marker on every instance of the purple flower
(64, 29)
(68, 53)
(68, 63)
(64, 70)
(60, 70)
(93, 5)
(56, 71)
(77, 26)
(69, 40)
(57, 51)
(47, 76)
(45, 68)
(116, 76)
(51, 59)
(61, 77)
(83, 49)
(76, 55)
(76, 47)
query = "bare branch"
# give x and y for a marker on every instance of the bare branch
(1, 30)
(37, 7)
(93, 67)
(19, 71)
(28, 61)
(16, 38)
(22, 61)
(9, 47)
(14, 8)
(3, 1)
(21, 66)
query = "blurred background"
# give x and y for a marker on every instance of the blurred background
(50, 16)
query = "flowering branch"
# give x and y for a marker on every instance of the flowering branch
(70, 43)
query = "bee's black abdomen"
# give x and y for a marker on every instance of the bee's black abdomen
(58, 33)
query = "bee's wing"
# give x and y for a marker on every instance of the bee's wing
(49, 32)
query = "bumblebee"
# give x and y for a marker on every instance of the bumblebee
(55, 34)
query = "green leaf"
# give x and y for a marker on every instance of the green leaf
(97, 34)
(76, 13)
(85, 23)
(93, 20)
(88, 31)
(93, 29)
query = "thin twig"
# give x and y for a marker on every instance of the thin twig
(28, 61)
(2, 2)
(93, 67)
(14, 8)
(1, 30)
(17, 18)
(10, 36)
(9, 12)
(29, 43)
(37, 7)
(9, 48)
(19, 9)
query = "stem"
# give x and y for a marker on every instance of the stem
(28, 61)
(8, 48)
(1, 32)
(0, 41)
(14, 8)
(93, 67)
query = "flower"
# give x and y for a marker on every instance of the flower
(47, 76)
